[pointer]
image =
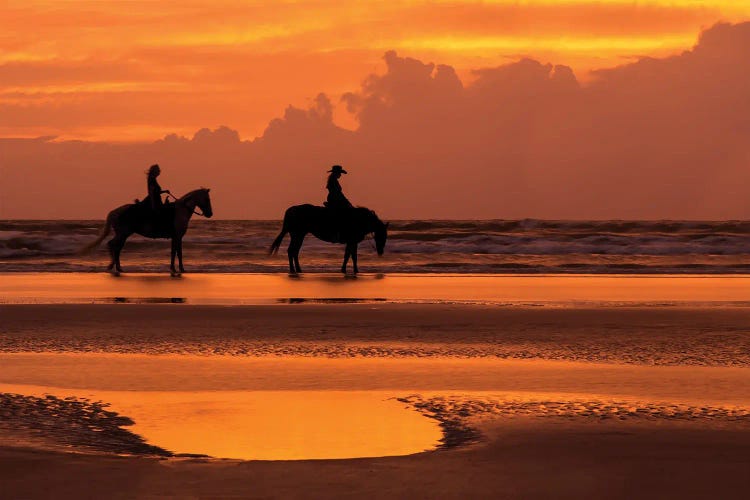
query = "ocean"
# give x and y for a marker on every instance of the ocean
(462, 247)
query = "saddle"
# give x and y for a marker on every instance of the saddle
(162, 220)
(337, 222)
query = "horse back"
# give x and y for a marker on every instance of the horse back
(139, 218)
(325, 223)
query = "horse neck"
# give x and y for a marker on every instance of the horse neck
(371, 222)
(188, 201)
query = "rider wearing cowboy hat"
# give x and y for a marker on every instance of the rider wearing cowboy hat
(336, 198)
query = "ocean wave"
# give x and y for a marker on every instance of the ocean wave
(461, 246)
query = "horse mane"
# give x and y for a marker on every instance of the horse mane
(366, 210)
(370, 213)
(194, 191)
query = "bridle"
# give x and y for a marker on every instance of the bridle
(194, 210)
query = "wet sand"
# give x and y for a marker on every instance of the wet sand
(648, 335)
(113, 372)
(613, 397)
(523, 458)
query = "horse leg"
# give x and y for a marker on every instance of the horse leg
(354, 258)
(292, 251)
(347, 253)
(179, 255)
(172, 269)
(115, 247)
(117, 253)
(290, 254)
(111, 247)
(297, 248)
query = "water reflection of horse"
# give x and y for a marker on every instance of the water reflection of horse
(348, 226)
(171, 223)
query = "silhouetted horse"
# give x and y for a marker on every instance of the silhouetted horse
(171, 222)
(349, 227)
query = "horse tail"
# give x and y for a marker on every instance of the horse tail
(277, 242)
(103, 234)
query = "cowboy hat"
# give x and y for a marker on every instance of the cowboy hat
(337, 168)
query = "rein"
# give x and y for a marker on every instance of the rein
(369, 237)
(194, 210)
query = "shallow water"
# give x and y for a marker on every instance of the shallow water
(233, 289)
(266, 425)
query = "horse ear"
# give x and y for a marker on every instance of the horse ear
(208, 190)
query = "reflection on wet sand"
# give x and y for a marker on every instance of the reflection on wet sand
(441, 288)
(266, 425)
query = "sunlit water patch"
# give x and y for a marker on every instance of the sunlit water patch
(267, 425)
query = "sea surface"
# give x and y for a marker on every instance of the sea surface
(490, 246)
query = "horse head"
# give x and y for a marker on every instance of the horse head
(204, 202)
(201, 199)
(381, 234)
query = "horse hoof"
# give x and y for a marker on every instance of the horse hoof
(175, 274)
(114, 272)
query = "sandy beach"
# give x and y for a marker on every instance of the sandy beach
(597, 387)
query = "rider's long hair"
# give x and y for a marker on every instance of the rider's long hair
(153, 171)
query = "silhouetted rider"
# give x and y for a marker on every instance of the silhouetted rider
(154, 189)
(336, 198)
(337, 202)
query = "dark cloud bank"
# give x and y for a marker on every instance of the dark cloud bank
(658, 138)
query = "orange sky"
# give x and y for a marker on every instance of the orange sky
(137, 70)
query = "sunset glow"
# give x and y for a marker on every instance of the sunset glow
(123, 71)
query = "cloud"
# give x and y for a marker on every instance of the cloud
(183, 65)
(658, 138)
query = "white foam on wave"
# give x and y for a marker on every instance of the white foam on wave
(413, 246)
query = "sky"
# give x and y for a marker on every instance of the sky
(448, 109)
(140, 69)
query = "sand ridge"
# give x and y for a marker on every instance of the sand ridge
(72, 423)
(459, 415)
(647, 336)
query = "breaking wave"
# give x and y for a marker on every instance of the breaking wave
(414, 246)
